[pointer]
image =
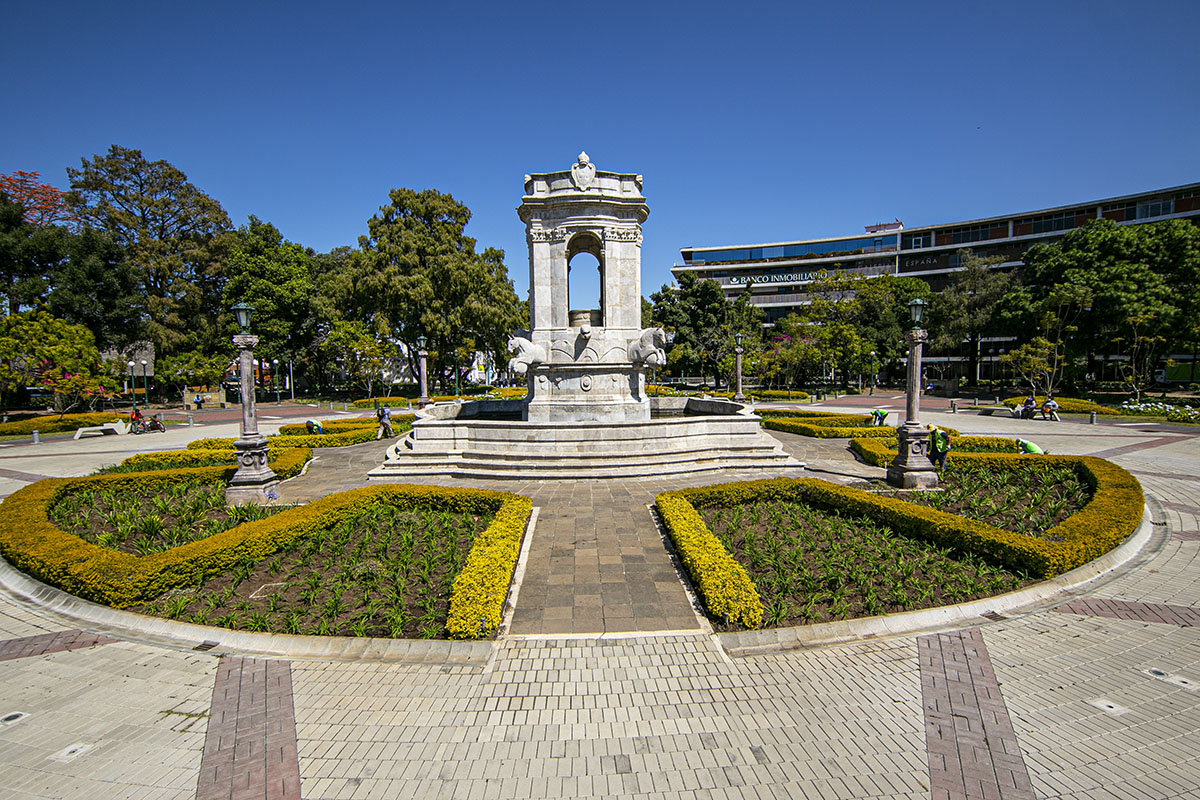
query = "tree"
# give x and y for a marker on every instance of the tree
(273, 276)
(96, 286)
(171, 231)
(28, 254)
(39, 349)
(966, 311)
(1140, 282)
(41, 203)
(417, 274)
(697, 314)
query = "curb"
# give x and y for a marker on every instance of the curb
(745, 643)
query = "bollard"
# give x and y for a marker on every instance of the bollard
(343, 406)
(997, 400)
(1092, 419)
(953, 406)
(974, 401)
(37, 438)
(190, 422)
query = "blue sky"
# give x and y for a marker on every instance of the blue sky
(750, 121)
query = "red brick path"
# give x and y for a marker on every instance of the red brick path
(972, 749)
(1181, 616)
(43, 643)
(250, 749)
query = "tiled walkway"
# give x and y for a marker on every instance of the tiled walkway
(607, 686)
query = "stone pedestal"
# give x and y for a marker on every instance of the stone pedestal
(912, 469)
(587, 392)
(254, 482)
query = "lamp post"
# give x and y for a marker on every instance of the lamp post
(275, 364)
(145, 387)
(874, 374)
(738, 397)
(132, 388)
(423, 400)
(912, 469)
(254, 482)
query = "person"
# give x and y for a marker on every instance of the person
(384, 415)
(198, 402)
(939, 446)
(878, 416)
(1026, 447)
(1029, 408)
(313, 427)
(136, 421)
(1050, 409)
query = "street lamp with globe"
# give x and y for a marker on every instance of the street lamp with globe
(132, 388)
(912, 468)
(275, 380)
(254, 482)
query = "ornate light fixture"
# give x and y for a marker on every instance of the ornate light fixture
(254, 481)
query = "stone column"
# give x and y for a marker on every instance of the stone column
(738, 396)
(254, 481)
(912, 469)
(423, 400)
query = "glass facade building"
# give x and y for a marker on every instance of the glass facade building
(778, 271)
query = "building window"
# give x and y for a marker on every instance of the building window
(915, 241)
(1154, 208)
(974, 233)
(1049, 223)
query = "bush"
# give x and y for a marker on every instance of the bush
(356, 435)
(825, 425)
(1066, 405)
(723, 583)
(52, 423)
(295, 459)
(34, 545)
(780, 394)
(345, 425)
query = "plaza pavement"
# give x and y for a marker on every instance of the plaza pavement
(607, 684)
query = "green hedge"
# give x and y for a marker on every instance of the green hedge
(880, 452)
(779, 394)
(353, 436)
(52, 424)
(34, 545)
(723, 583)
(1113, 514)
(347, 425)
(1068, 405)
(289, 459)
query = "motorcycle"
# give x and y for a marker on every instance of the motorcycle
(152, 425)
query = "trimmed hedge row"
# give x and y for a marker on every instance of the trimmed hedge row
(1069, 405)
(353, 436)
(880, 452)
(823, 425)
(723, 583)
(779, 394)
(34, 545)
(288, 459)
(52, 424)
(1113, 514)
(331, 426)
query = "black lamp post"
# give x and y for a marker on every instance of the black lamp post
(145, 387)
(738, 397)
(132, 388)
(423, 400)
(254, 481)
(912, 469)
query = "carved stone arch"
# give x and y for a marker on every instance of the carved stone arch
(590, 242)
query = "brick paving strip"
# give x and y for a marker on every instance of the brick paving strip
(43, 643)
(972, 749)
(250, 748)
(1133, 448)
(1181, 616)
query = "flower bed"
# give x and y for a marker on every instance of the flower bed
(174, 459)
(879, 452)
(1112, 515)
(33, 544)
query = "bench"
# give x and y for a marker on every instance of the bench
(107, 429)
(988, 411)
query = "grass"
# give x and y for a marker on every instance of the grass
(385, 573)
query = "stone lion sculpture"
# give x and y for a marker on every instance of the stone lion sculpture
(527, 355)
(647, 349)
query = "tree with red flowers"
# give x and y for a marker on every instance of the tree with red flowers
(43, 204)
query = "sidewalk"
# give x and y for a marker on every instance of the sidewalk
(608, 686)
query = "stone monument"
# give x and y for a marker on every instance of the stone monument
(585, 364)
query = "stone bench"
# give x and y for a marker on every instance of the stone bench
(107, 429)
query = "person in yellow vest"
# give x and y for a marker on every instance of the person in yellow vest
(939, 446)
(1026, 447)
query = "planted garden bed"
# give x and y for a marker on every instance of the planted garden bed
(384, 572)
(811, 565)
